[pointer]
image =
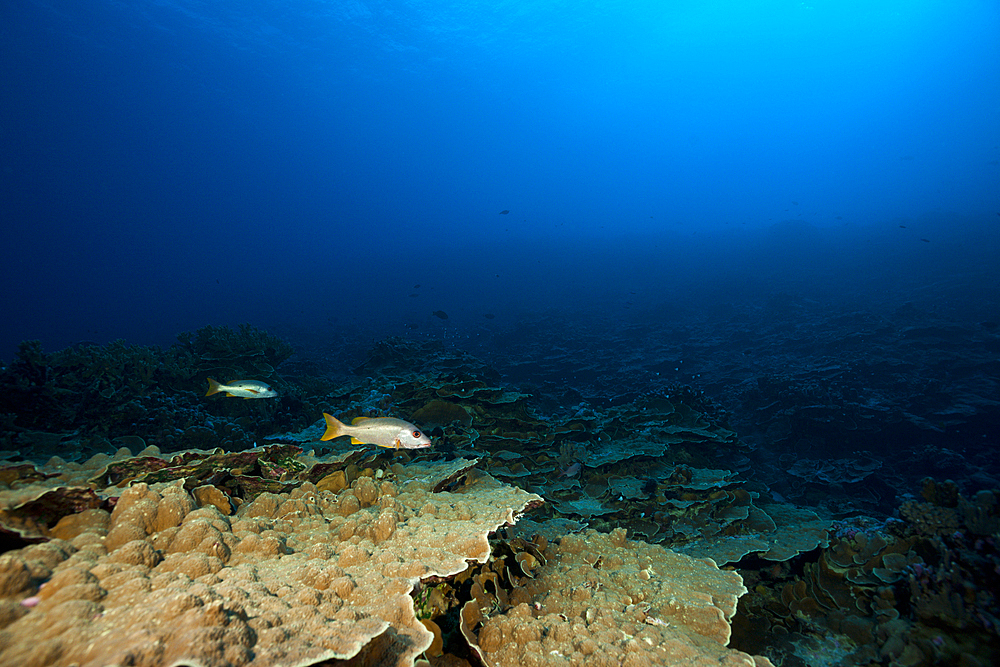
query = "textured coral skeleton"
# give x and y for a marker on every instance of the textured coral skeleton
(302, 576)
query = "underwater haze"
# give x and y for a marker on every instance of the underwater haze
(306, 302)
(304, 164)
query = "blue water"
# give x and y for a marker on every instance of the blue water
(302, 165)
(784, 214)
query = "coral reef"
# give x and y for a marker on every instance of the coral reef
(360, 566)
(289, 579)
(84, 396)
(235, 522)
(246, 352)
(606, 600)
(648, 465)
(914, 591)
(642, 465)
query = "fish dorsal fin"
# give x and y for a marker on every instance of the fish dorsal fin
(358, 420)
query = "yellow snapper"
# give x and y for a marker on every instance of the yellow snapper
(381, 431)
(242, 389)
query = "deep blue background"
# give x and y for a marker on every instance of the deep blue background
(302, 165)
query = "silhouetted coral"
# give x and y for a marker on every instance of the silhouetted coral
(920, 591)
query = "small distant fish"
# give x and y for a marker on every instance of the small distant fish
(381, 431)
(489, 316)
(926, 240)
(416, 287)
(242, 389)
(902, 226)
(440, 313)
(795, 203)
(414, 294)
(572, 471)
(504, 212)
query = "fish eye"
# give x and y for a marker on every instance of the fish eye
(416, 434)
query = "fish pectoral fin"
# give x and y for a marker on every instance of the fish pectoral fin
(355, 441)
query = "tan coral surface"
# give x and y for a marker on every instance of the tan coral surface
(608, 601)
(290, 579)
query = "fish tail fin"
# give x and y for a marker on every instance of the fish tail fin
(213, 387)
(334, 427)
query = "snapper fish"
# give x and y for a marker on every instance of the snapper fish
(242, 389)
(381, 431)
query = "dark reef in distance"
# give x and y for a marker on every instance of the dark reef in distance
(828, 475)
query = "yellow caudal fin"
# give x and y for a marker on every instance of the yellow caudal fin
(334, 427)
(213, 387)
